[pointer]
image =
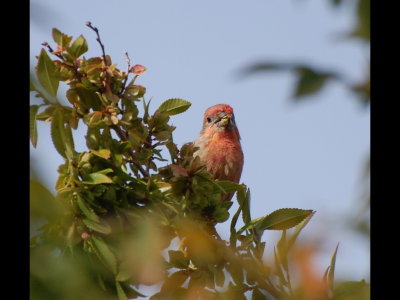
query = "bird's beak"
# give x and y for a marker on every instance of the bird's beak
(225, 120)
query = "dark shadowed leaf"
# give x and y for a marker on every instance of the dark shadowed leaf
(178, 259)
(281, 219)
(33, 124)
(174, 106)
(174, 281)
(46, 73)
(257, 295)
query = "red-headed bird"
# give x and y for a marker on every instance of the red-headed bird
(219, 144)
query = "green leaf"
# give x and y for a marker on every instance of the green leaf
(352, 290)
(309, 81)
(281, 219)
(282, 250)
(46, 73)
(104, 253)
(100, 226)
(330, 271)
(58, 134)
(174, 106)
(125, 272)
(103, 153)
(78, 47)
(297, 230)
(33, 124)
(120, 291)
(97, 178)
(86, 210)
(60, 38)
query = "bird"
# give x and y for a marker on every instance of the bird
(219, 145)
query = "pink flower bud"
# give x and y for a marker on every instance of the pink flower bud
(138, 69)
(85, 235)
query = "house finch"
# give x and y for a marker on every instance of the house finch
(219, 144)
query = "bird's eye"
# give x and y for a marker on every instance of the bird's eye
(209, 120)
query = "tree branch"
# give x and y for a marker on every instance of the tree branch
(89, 24)
(123, 137)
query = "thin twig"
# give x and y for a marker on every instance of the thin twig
(128, 61)
(123, 137)
(52, 51)
(89, 24)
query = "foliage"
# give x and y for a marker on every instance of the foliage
(119, 221)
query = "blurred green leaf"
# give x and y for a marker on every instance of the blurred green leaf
(61, 39)
(104, 253)
(99, 226)
(61, 135)
(298, 229)
(120, 292)
(88, 212)
(46, 73)
(352, 290)
(174, 106)
(78, 47)
(309, 81)
(97, 178)
(363, 27)
(32, 124)
(329, 275)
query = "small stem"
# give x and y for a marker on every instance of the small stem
(51, 50)
(128, 61)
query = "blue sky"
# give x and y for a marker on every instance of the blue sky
(305, 155)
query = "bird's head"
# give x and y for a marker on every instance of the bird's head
(220, 119)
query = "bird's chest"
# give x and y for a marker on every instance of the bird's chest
(223, 158)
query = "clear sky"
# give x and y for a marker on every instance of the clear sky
(306, 155)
